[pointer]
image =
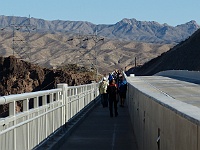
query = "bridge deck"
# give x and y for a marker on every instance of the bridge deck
(98, 131)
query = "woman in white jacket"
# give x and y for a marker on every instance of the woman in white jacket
(103, 91)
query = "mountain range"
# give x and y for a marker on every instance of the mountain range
(55, 43)
(124, 30)
(53, 50)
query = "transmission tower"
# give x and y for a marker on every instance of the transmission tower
(96, 40)
(21, 45)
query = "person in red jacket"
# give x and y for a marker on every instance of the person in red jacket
(112, 94)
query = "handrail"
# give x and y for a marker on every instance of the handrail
(16, 97)
(51, 110)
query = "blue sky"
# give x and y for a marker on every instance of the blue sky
(172, 12)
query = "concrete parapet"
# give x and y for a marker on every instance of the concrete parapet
(132, 75)
(161, 122)
(181, 73)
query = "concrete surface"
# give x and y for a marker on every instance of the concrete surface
(164, 113)
(184, 75)
(101, 132)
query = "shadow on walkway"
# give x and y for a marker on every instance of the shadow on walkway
(99, 131)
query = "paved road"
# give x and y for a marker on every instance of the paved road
(100, 132)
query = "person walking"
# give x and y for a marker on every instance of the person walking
(112, 94)
(110, 77)
(122, 90)
(103, 91)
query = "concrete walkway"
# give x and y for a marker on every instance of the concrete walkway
(101, 132)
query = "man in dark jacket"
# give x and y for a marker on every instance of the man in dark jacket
(112, 94)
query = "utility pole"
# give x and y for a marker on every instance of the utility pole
(18, 42)
(28, 28)
(13, 34)
(96, 40)
(96, 56)
(135, 62)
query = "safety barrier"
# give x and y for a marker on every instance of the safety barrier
(161, 122)
(181, 74)
(50, 110)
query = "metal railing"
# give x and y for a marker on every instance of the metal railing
(50, 110)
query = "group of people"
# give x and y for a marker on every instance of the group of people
(112, 90)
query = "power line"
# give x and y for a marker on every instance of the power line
(96, 40)
(19, 44)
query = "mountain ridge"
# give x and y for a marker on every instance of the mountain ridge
(52, 50)
(126, 29)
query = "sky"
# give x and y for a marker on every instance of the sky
(172, 12)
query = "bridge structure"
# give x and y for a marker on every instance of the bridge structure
(161, 113)
(50, 111)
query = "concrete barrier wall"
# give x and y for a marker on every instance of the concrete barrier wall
(159, 121)
(181, 73)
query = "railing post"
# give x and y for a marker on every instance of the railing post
(76, 101)
(36, 102)
(86, 95)
(65, 115)
(94, 90)
(26, 108)
(12, 109)
(36, 105)
(51, 97)
(12, 112)
(90, 91)
(79, 100)
(44, 103)
(82, 98)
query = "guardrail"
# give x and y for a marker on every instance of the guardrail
(51, 110)
(161, 122)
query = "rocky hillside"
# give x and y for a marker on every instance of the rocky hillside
(18, 76)
(126, 29)
(184, 56)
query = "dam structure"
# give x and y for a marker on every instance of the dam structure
(162, 112)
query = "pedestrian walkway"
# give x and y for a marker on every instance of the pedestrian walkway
(101, 132)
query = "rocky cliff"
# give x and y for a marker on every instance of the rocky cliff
(18, 76)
